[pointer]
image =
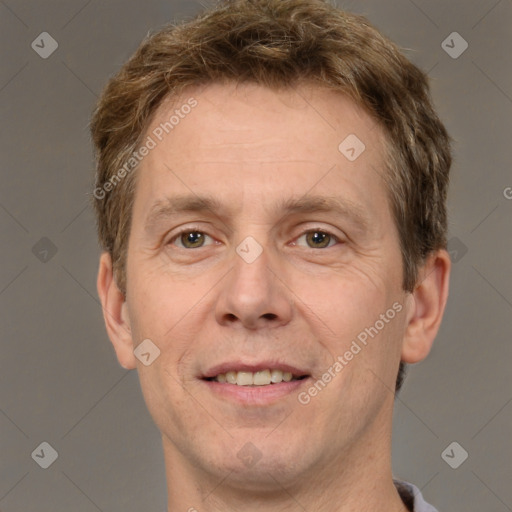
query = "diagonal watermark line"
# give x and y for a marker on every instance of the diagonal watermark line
(81, 285)
(14, 218)
(320, 115)
(318, 181)
(75, 217)
(421, 489)
(287, 492)
(490, 490)
(302, 302)
(310, 189)
(13, 13)
(102, 397)
(5, 414)
(402, 402)
(75, 15)
(104, 309)
(485, 218)
(79, 79)
(211, 288)
(489, 421)
(492, 81)
(218, 485)
(88, 497)
(14, 76)
(209, 209)
(13, 279)
(425, 485)
(5, 495)
(424, 14)
(382, 175)
(279, 424)
(205, 4)
(491, 285)
(432, 68)
(200, 404)
(487, 13)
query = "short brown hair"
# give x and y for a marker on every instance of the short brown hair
(279, 44)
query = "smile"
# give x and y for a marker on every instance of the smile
(259, 378)
(256, 384)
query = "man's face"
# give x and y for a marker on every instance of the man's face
(293, 257)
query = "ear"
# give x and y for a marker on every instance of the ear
(426, 307)
(115, 314)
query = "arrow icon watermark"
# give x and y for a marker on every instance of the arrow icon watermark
(45, 455)
(146, 352)
(351, 147)
(249, 249)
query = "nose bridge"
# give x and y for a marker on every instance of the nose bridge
(251, 295)
(251, 276)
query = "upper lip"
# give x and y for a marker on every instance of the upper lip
(239, 366)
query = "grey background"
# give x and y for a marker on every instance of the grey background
(59, 379)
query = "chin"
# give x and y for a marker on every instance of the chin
(263, 463)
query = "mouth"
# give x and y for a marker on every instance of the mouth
(266, 377)
(257, 384)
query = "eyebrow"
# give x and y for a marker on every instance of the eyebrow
(312, 204)
(173, 206)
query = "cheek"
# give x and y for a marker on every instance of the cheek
(156, 304)
(171, 313)
(165, 401)
(345, 302)
(356, 315)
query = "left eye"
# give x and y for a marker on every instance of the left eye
(190, 239)
(317, 239)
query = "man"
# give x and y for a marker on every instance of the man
(271, 189)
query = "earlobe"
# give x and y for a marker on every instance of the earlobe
(115, 313)
(426, 307)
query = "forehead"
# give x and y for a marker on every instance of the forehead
(252, 116)
(250, 143)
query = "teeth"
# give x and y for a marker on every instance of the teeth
(287, 376)
(244, 379)
(276, 376)
(230, 377)
(261, 378)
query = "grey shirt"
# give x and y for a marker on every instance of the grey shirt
(412, 497)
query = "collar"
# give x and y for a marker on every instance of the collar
(412, 497)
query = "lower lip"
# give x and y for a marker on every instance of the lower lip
(255, 395)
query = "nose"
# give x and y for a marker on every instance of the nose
(253, 295)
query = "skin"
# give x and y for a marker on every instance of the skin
(250, 148)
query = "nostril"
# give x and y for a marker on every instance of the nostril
(270, 316)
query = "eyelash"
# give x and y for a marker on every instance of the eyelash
(186, 230)
(324, 232)
(197, 230)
